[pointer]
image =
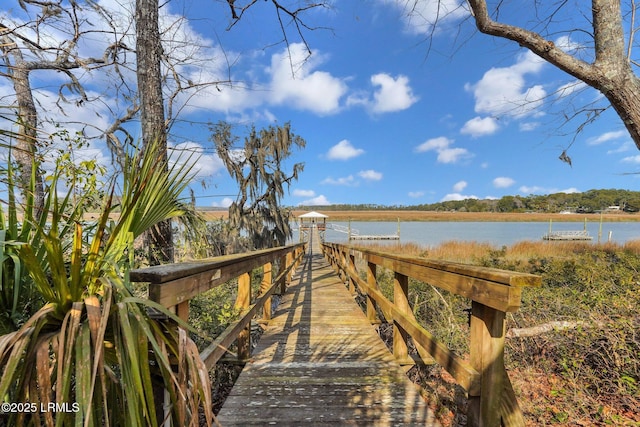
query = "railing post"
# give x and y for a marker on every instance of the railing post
(401, 301)
(352, 266)
(264, 286)
(342, 263)
(285, 262)
(372, 314)
(487, 332)
(182, 310)
(243, 301)
(330, 254)
(298, 260)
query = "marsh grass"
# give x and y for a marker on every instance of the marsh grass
(585, 374)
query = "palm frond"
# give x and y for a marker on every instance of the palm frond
(93, 343)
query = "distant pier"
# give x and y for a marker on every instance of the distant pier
(374, 237)
(352, 233)
(355, 234)
(568, 235)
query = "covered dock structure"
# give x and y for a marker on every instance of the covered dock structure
(310, 221)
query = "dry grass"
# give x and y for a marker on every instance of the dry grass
(551, 373)
(471, 251)
(393, 215)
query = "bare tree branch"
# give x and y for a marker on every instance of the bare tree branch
(294, 15)
(610, 73)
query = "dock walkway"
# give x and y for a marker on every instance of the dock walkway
(320, 362)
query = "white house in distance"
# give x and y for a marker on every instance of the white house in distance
(310, 220)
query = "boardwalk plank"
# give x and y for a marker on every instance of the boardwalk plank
(320, 362)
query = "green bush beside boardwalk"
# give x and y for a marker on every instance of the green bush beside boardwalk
(591, 359)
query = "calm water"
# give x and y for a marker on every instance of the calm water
(496, 233)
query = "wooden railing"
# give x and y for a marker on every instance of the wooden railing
(492, 292)
(174, 285)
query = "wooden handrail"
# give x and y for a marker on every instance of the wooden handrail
(492, 292)
(174, 285)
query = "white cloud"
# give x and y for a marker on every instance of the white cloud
(624, 147)
(459, 186)
(224, 203)
(457, 196)
(529, 126)
(316, 201)
(370, 175)
(293, 78)
(532, 189)
(453, 155)
(347, 180)
(416, 194)
(203, 165)
(503, 182)
(607, 136)
(425, 17)
(295, 82)
(446, 154)
(439, 143)
(567, 45)
(543, 190)
(569, 190)
(350, 180)
(503, 91)
(392, 94)
(632, 159)
(570, 88)
(343, 150)
(480, 126)
(304, 193)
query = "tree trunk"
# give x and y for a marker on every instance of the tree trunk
(624, 96)
(27, 137)
(149, 52)
(610, 73)
(617, 82)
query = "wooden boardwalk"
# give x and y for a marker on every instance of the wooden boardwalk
(320, 362)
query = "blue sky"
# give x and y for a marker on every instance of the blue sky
(390, 115)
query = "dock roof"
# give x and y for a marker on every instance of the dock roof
(313, 214)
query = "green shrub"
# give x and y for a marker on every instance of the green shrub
(592, 366)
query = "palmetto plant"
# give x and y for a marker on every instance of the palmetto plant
(91, 354)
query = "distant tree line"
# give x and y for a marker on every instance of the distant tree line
(591, 201)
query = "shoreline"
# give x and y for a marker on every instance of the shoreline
(433, 216)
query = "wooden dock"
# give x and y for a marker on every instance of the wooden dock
(320, 362)
(354, 234)
(568, 235)
(374, 237)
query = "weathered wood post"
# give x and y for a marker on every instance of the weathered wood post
(372, 314)
(401, 301)
(182, 310)
(298, 259)
(285, 262)
(352, 267)
(264, 286)
(342, 260)
(487, 332)
(243, 301)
